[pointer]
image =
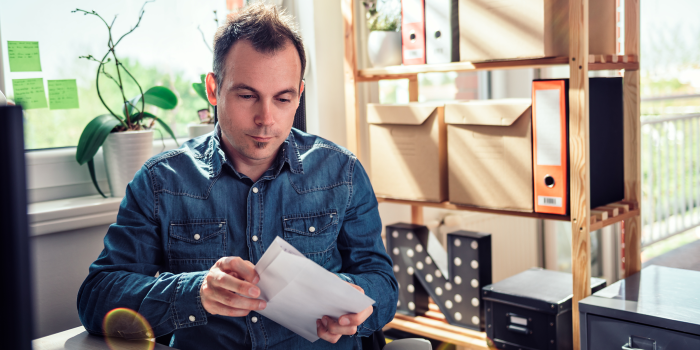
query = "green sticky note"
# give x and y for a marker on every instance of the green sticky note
(24, 56)
(29, 92)
(63, 94)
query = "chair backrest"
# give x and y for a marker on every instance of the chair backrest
(300, 116)
(409, 344)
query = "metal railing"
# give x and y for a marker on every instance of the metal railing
(670, 176)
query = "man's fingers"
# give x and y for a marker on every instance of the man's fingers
(226, 281)
(324, 334)
(355, 319)
(236, 301)
(245, 269)
(357, 287)
(335, 328)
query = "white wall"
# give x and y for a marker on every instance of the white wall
(60, 263)
(321, 24)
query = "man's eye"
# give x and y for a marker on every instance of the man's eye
(284, 100)
(246, 97)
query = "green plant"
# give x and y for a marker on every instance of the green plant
(201, 90)
(133, 118)
(387, 20)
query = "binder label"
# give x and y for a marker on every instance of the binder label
(412, 54)
(548, 127)
(412, 11)
(549, 201)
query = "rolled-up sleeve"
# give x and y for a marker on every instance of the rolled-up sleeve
(365, 261)
(123, 276)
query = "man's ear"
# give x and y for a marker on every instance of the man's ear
(301, 90)
(211, 88)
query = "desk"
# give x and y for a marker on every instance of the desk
(79, 339)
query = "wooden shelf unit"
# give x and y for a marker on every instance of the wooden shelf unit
(583, 221)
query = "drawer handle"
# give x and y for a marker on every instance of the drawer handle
(635, 342)
(518, 329)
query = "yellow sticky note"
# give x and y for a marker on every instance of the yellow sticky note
(24, 56)
(29, 92)
(63, 94)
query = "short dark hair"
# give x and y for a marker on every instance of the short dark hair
(266, 28)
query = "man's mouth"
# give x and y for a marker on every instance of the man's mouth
(261, 139)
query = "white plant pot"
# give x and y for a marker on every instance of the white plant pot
(194, 130)
(384, 48)
(125, 153)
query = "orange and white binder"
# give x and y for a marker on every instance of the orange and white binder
(413, 31)
(550, 146)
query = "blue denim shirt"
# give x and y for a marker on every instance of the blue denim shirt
(196, 190)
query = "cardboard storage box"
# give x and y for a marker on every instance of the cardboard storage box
(512, 29)
(408, 151)
(489, 152)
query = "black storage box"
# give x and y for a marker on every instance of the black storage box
(655, 309)
(532, 310)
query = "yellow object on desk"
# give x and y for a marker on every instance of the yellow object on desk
(79, 339)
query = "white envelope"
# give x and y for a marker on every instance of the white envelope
(299, 291)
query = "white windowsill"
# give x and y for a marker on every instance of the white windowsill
(61, 194)
(72, 214)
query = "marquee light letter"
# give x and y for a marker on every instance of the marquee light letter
(453, 279)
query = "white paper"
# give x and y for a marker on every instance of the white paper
(299, 291)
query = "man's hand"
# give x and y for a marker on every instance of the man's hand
(331, 330)
(229, 288)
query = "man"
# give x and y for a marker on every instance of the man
(201, 216)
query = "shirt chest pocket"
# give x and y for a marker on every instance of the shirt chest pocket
(195, 245)
(313, 234)
(310, 224)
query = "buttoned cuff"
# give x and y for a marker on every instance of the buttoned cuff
(362, 330)
(345, 278)
(187, 306)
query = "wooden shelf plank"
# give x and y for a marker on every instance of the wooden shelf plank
(407, 72)
(613, 220)
(629, 210)
(452, 206)
(430, 328)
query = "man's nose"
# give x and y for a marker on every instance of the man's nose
(264, 117)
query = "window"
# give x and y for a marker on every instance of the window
(168, 48)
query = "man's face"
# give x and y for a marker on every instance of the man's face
(257, 100)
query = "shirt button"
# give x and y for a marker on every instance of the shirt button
(255, 238)
(254, 319)
(196, 236)
(192, 318)
(312, 229)
(255, 190)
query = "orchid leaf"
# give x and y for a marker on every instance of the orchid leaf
(93, 136)
(160, 96)
(91, 167)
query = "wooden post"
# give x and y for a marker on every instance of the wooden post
(416, 210)
(632, 127)
(417, 215)
(413, 88)
(352, 117)
(579, 158)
